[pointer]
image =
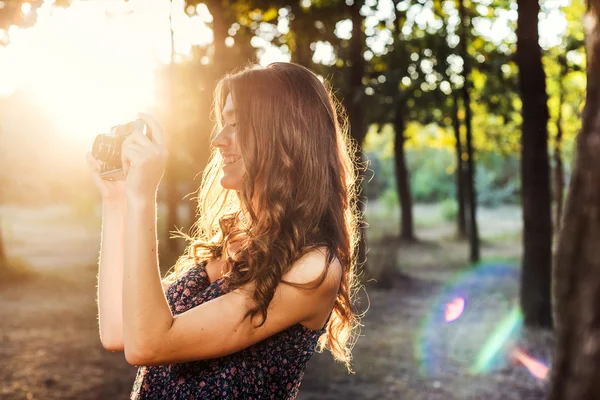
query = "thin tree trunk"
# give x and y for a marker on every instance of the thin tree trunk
(470, 189)
(444, 50)
(172, 200)
(407, 230)
(535, 171)
(460, 195)
(170, 178)
(301, 53)
(559, 180)
(402, 177)
(576, 274)
(354, 106)
(220, 65)
(3, 257)
(220, 61)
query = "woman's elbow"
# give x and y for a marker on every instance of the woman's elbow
(112, 344)
(137, 356)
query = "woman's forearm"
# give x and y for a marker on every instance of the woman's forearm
(145, 309)
(110, 275)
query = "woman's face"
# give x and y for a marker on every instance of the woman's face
(227, 143)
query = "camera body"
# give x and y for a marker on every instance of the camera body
(107, 148)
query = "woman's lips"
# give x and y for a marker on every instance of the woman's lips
(231, 164)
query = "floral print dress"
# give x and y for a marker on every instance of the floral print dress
(270, 369)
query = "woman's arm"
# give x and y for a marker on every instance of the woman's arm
(151, 335)
(110, 275)
(218, 328)
(146, 312)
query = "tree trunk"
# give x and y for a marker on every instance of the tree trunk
(402, 177)
(407, 230)
(172, 199)
(576, 274)
(220, 64)
(460, 195)
(354, 106)
(170, 178)
(220, 61)
(535, 171)
(3, 257)
(301, 53)
(559, 180)
(470, 189)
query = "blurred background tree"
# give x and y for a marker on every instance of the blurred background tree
(576, 285)
(465, 114)
(431, 89)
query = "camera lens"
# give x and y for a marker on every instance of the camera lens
(107, 147)
(103, 147)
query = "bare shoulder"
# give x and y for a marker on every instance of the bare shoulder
(312, 265)
(317, 302)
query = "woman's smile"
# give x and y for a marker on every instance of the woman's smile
(226, 164)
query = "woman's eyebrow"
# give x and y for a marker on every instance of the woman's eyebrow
(229, 113)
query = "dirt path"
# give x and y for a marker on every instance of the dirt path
(50, 344)
(386, 365)
(50, 347)
(50, 350)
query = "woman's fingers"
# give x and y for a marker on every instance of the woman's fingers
(139, 138)
(132, 153)
(93, 164)
(91, 161)
(158, 136)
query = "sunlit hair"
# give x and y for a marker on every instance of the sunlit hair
(300, 177)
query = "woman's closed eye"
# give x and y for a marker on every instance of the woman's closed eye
(232, 124)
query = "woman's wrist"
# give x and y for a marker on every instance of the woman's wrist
(114, 205)
(140, 200)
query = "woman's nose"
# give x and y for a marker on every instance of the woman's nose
(221, 140)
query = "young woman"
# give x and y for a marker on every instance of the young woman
(269, 274)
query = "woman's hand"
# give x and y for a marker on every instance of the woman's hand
(144, 161)
(111, 191)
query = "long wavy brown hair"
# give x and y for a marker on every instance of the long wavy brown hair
(300, 180)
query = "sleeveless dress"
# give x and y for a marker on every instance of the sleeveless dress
(270, 369)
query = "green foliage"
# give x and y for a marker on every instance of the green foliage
(449, 210)
(390, 201)
(378, 175)
(378, 147)
(493, 190)
(413, 75)
(432, 169)
(431, 174)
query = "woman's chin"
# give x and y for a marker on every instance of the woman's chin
(229, 183)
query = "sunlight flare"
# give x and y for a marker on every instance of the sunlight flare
(94, 64)
(454, 309)
(535, 367)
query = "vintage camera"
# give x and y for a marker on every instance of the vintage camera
(107, 148)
